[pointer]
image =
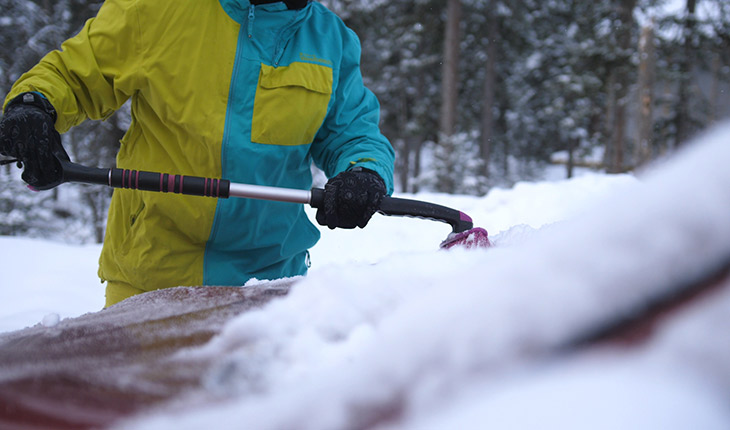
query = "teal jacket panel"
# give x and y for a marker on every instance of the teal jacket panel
(296, 97)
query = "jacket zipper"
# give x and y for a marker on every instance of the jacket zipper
(282, 38)
(251, 17)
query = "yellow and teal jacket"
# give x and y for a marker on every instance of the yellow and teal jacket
(227, 89)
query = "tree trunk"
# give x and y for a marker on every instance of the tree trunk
(570, 166)
(489, 89)
(620, 87)
(447, 178)
(404, 147)
(715, 88)
(618, 129)
(450, 71)
(610, 111)
(647, 64)
(417, 147)
(685, 68)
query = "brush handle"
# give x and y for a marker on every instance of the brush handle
(459, 221)
(147, 181)
(393, 206)
(167, 183)
(179, 184)
(223, 188)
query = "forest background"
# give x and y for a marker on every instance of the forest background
(475, 94)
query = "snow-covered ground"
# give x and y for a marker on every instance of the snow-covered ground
(388, 332)
(43, 279)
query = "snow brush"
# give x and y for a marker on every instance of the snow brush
(463, 233)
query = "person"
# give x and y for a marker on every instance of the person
(251, 91)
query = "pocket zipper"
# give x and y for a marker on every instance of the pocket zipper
(134, 216)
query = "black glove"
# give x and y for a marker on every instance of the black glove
(351, 198)
(27, 133)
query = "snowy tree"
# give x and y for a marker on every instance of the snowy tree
(401, 44)
(691, 47)
(19, 21)
(29, 30)
(534, 78)
(556, 80)
(456, 165)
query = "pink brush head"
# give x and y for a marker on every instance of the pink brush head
(473, 238)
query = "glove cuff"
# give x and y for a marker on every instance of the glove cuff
(366, 170)
(32, 98)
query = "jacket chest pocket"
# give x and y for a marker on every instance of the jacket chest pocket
(290, 103)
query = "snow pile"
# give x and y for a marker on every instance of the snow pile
(464, 339)
(389, 332)
(40, 279)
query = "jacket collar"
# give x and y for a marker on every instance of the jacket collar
(238, 9)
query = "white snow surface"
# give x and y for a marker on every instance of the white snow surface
(388, 332)
(39, 279)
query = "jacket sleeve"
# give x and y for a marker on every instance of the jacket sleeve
(350, 134)
(94, 72)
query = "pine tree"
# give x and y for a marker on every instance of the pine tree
(29, 30)
(401, 48)
(690, 46)
(563, 79)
